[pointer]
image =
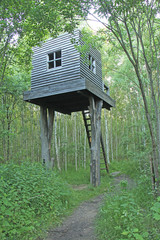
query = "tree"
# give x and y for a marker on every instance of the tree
(33, 20)
(133, 26)
(24, 24)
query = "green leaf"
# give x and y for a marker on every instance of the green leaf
(138, 236)
(3, 208)
(6, 223)
(125, 233)
(145, 234)
(156, 216)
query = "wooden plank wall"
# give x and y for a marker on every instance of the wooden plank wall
(41, 76)
(73, 66)
(86, 72)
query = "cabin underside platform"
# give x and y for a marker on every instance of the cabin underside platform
(69, 96)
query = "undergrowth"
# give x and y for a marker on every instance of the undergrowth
(30, 199)
(82, 177)
(130, 214)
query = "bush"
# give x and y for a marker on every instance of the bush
(131, 168)
(29, 197)
(118, 217)
(128, 215)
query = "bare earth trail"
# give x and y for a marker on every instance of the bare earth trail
(81, 224)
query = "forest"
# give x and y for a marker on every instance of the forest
(32, 199)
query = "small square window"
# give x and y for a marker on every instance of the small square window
(54, 59)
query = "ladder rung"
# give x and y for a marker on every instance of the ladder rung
(87, 122)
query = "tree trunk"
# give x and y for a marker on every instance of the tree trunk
(46, 134)
(95, 112)
(8, 135)
(84, 161)
(75, 141)
(111, 138)
(65, 145)
(56, 143)
(107, 137)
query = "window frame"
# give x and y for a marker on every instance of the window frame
(54, 60)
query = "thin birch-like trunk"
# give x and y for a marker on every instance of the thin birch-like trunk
(56, 143)
(75, 141)
(116, 137)
(111, 138)
(65, 158)
(84, 152)
(107, 136)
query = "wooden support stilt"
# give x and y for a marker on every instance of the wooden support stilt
(87, 122)
(46, 121)
(95, 114)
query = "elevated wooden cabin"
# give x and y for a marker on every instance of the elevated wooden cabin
(63, 79)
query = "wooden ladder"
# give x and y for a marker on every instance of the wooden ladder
(87, 122)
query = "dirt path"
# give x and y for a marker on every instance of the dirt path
(80, 225)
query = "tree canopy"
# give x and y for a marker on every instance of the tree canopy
(32, 21)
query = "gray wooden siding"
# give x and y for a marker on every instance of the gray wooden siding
(64, 99)
(73, 66)
(88, 74)
(70, 69)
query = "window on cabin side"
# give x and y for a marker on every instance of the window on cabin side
(54, 59)
(92, 64)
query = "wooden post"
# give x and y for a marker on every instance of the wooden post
(46, 134)
(95, 112)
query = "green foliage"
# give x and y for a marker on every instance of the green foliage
(30, 198)
(122, 216)
(156, 209)
(82, 176)
(130, 214)
(89, 40)
(129, 167)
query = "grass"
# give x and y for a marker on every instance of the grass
(32, 200)
(130, 214)
(130, 168)
(82, 177)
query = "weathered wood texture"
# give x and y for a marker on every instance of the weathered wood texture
(66, 88)
(86, 73)
(63, 99)
(46, 120)
(73, 65)
(95, 114)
